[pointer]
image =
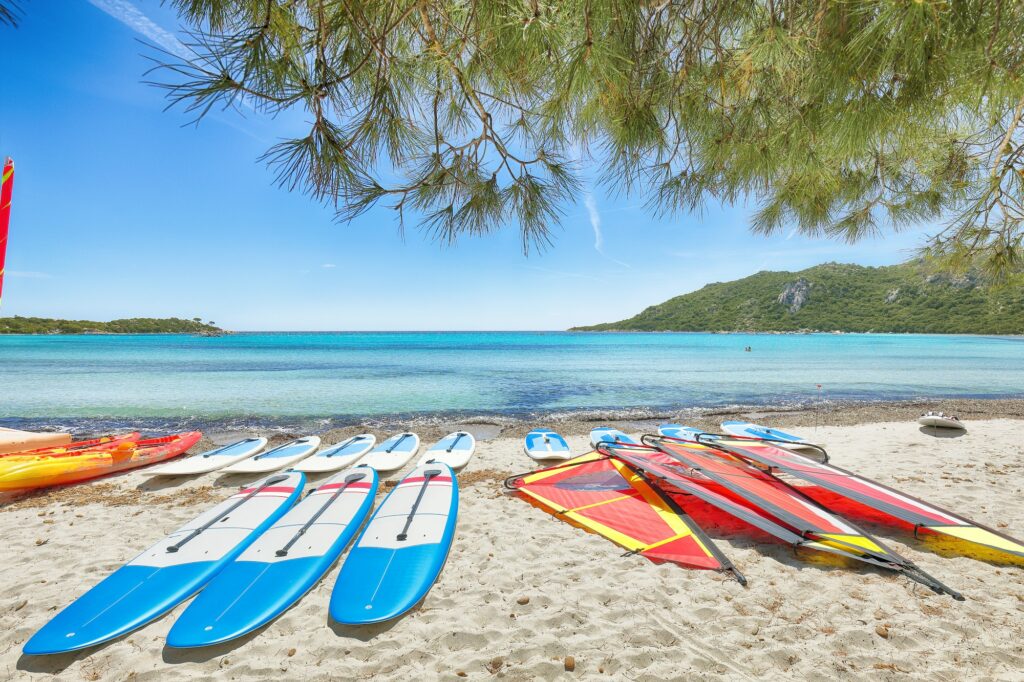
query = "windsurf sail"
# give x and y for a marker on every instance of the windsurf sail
(6, 189)
(867, 492)
(762, 501)
(606, 496)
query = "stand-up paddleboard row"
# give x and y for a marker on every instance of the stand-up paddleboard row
(256, 555)
(170, 571)
(281, 565)
(247, 455)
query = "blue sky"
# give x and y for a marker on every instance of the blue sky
(121, 209)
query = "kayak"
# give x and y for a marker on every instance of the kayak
(89, 464)
(102, 443)
(12, 440)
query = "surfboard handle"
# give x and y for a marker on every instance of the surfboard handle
(398, 442)
(350, 479)
(222, 448)
(455, 442)
(351, 440)
(198, 531)
(279, 447)
(427, 475)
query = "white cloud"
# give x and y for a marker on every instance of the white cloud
(132, 17)
(595, 222)
(328, 265)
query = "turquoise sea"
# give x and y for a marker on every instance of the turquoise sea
(292, 379)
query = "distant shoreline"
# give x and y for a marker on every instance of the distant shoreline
(47, 326)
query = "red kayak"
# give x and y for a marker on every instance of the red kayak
(102, 443)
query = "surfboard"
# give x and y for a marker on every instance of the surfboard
(608, 435)
(750, 430)
(940, 420)
(210, 461)
(679, 431)
(281, 566)
(455, 450)
(394, 453)
(336, 457)
(542, 444)
(170, 571)
(400, 553)
(276, 458)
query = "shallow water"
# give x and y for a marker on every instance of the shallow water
(337, 378)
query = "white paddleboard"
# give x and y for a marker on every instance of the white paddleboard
(542, 444)
(394, 453)
(749, 430)
(335, 457)
(942, 421)
(455, 450)
(209, 461)
(277, 458)
(607, 434)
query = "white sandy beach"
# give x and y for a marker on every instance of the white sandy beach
(522, 590)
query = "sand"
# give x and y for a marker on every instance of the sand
(522, 591)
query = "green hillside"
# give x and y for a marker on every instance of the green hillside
(135, 325)
(834, 296)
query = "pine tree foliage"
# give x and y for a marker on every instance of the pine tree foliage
(841, 118)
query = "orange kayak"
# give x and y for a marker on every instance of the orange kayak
(101, 443)
(12, 440)
(88, 464)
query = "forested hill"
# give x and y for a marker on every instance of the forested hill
(135, 325)
(840, 297)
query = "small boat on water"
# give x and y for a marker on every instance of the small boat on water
(941, 421)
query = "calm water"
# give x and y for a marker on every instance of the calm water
(291, 378)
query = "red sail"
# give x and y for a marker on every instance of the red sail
(6, 187)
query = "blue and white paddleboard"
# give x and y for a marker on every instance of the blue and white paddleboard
(679, 431)
(281, 565)
(394, 453)
(542, 444)
(455, 450)
(205, 462)
(749, 430)
(170, 571)
(337, 457)
(400, 553)
(608, 434)
(277, 458)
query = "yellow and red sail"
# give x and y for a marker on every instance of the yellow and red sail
(608, 497)
(6, 190)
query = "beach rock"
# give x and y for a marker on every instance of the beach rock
(570, 663)
(523, 601)
(291, 652)
(882, 631)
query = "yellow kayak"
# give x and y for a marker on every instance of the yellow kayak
(30, 472)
